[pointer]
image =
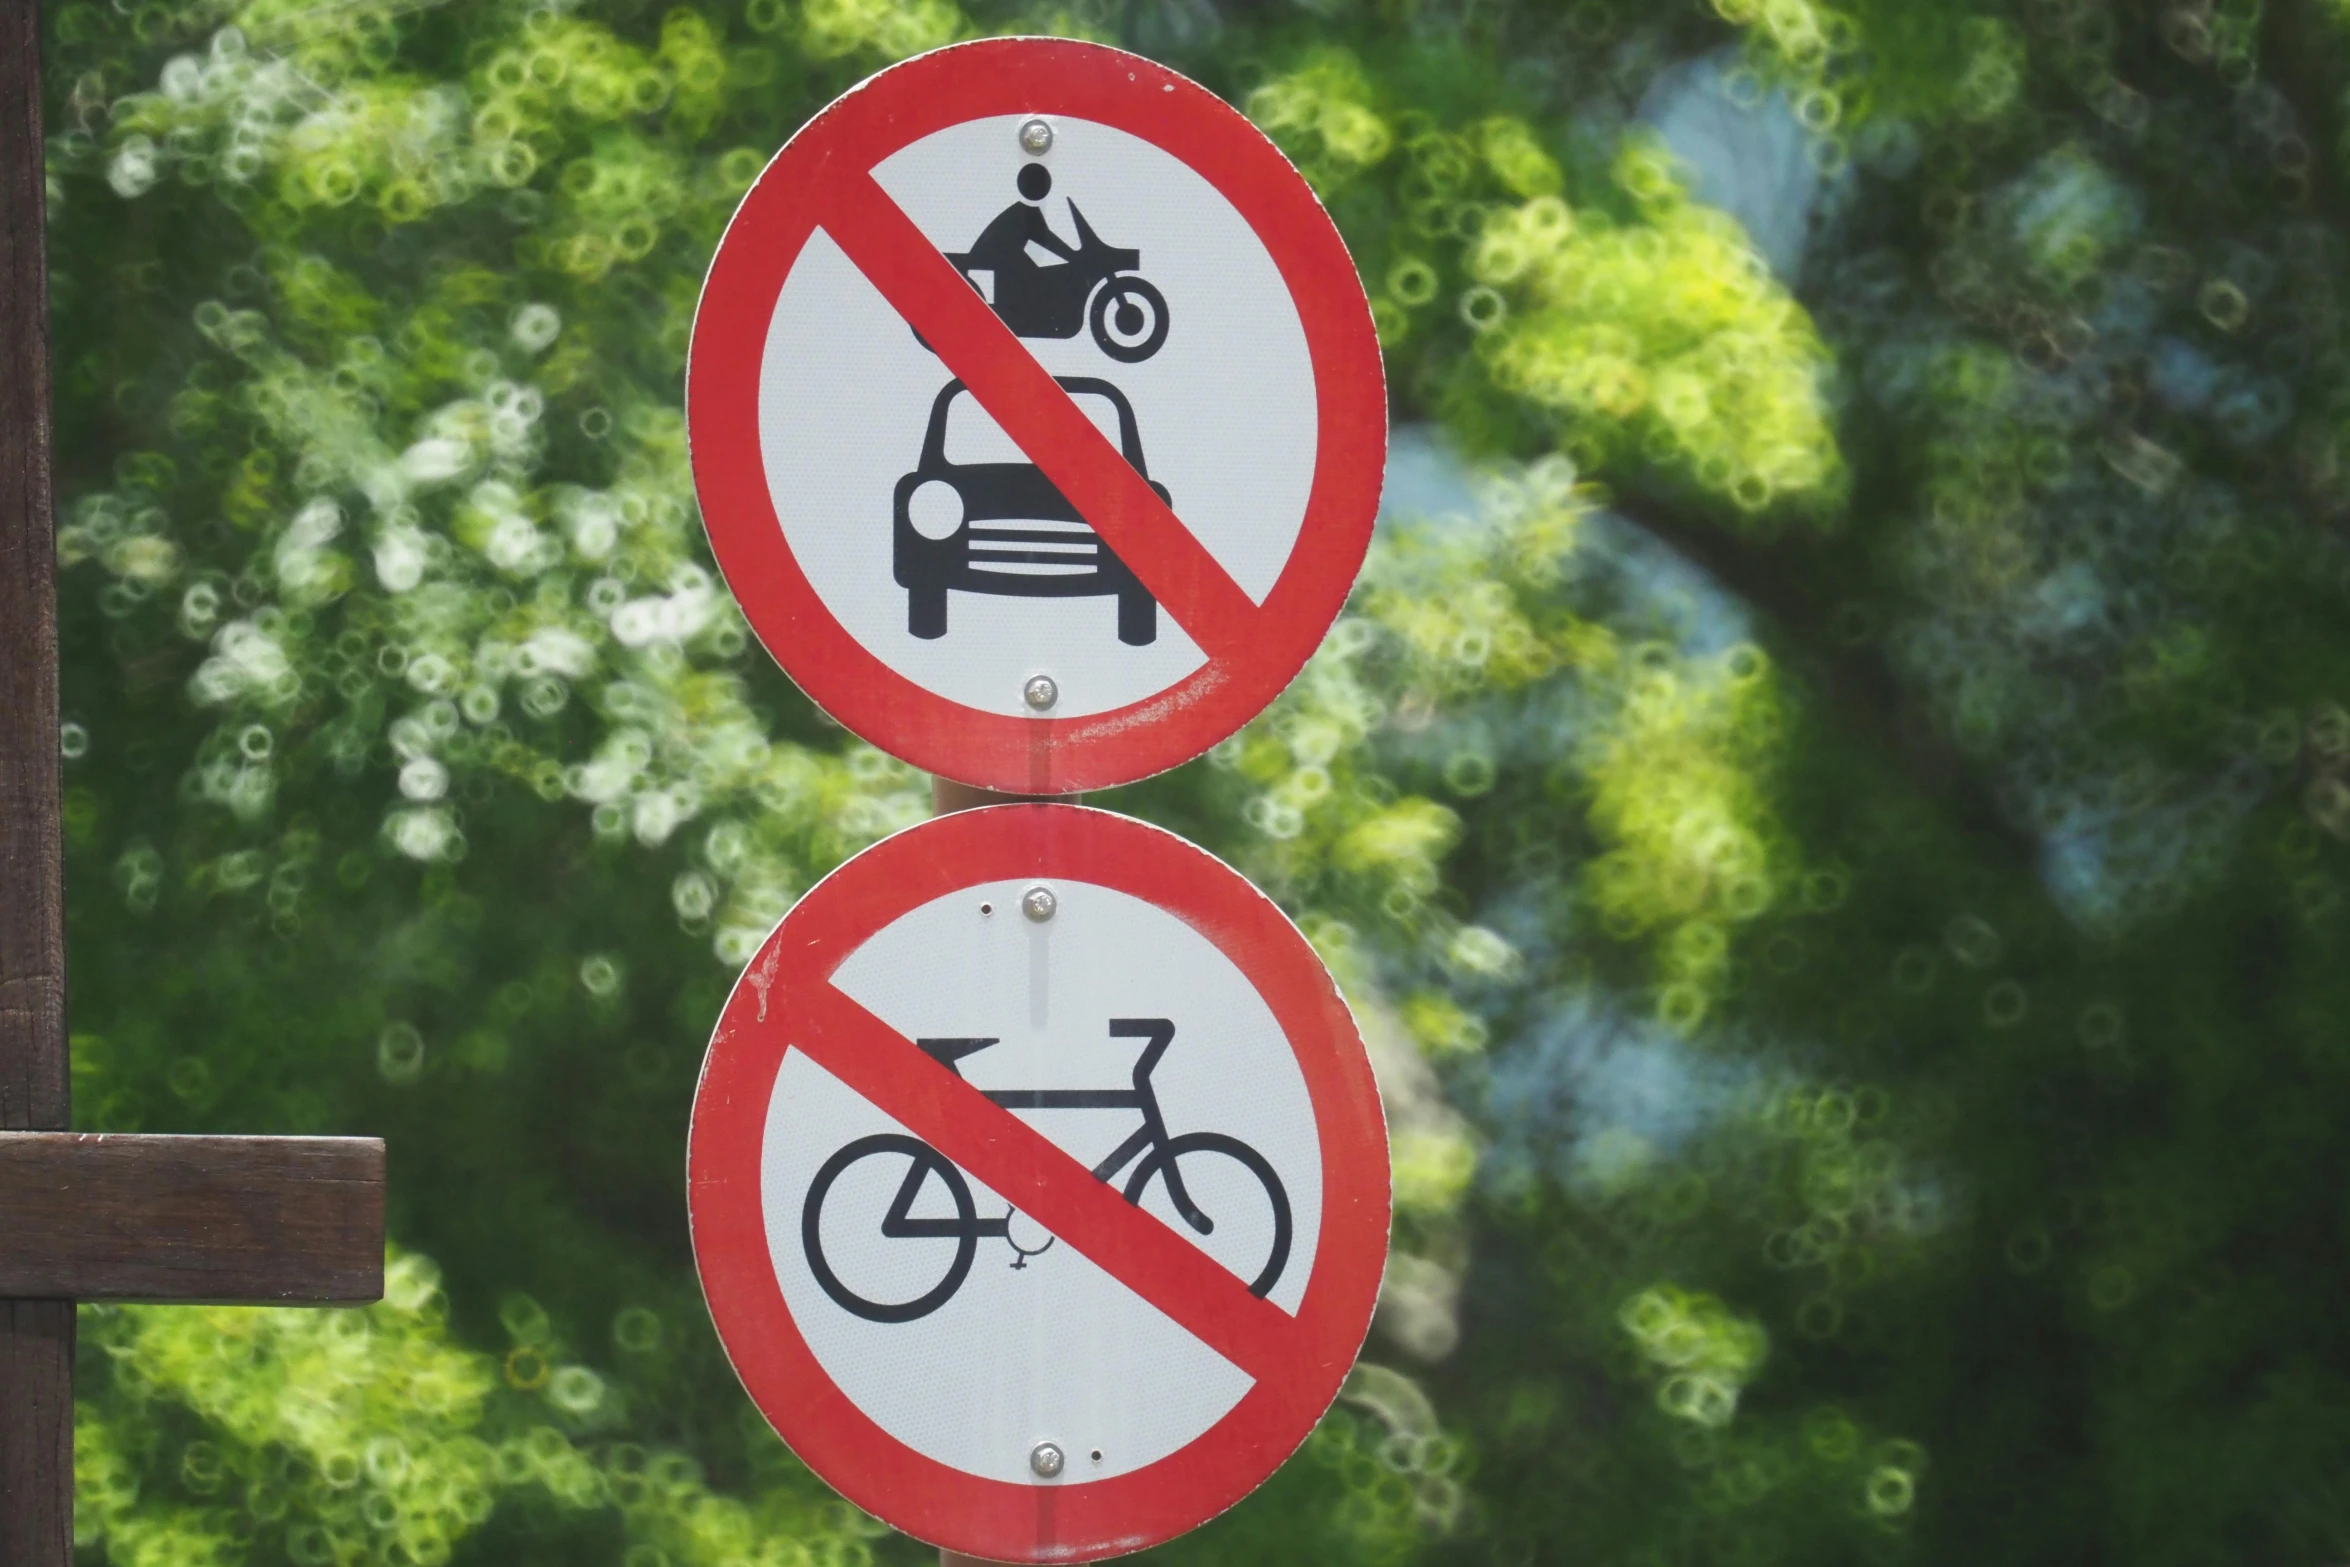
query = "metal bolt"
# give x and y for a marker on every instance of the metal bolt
(1036, 138)
(1038, 903)
(1045, 1458)
(1041, 692)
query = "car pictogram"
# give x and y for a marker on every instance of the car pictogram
(976, 516)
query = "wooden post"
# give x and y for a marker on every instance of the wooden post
(92, 1217)
(36, 1336)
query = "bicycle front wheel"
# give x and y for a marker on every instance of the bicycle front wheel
(1232, 1188)
(963, 1229)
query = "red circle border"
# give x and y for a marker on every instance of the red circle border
(934, 1503)
(913, 99)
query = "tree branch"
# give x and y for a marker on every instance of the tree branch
(2296, 50)
(1782, 585)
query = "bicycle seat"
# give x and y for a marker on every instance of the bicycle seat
(946, 1052)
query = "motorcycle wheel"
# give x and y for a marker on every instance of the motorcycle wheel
(1129, 319)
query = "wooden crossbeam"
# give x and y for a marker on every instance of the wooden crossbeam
(248, 1219)
(93, 1217)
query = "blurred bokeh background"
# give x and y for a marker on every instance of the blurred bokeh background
(1829, 800)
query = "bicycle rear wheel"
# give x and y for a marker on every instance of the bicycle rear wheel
(1247, 1204)
(963, 1229)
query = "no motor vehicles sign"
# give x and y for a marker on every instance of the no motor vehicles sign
(1037, 415)
(1039, 1183)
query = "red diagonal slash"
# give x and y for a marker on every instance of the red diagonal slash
(1018, 393)
(1035, 1176)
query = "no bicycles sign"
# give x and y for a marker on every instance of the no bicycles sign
(1036, 414)
(1039, 1183)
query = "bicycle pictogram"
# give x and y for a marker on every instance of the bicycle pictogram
(1159, 1154)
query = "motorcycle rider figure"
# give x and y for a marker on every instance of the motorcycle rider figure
(1040, 284)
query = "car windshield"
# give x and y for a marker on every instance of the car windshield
(973, 437)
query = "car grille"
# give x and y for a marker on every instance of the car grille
(1040, 547)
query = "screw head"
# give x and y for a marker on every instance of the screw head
(1046, 1459)
(1038, 903)
(1041, 692)
(1036, 137)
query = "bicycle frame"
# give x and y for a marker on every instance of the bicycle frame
(1148, 1152)
(949, 1053)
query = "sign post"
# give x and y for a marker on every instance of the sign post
(261, 1220)
(946, 798)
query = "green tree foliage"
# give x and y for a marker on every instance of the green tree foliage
(1837, 838)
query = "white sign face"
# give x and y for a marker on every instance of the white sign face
(959, 1326)
(1221, 413)
(1039, 1183)
(1036, 414)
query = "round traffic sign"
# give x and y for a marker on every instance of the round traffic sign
(1036, 414)
(1039, 1183)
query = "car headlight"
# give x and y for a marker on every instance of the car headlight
(935, 509)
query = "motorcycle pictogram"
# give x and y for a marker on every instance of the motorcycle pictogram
(1043, 286)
